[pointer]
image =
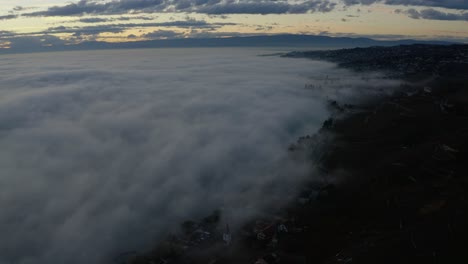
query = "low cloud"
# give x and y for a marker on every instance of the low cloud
(7, 33)
(93, 20)
(18, 8)
(163, 34)
(7, 17)
(433, 14)
(105, 152)
(201, 33)
(127, 18)
(118, 28)
(26, 43)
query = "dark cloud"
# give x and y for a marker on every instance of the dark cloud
(190, 23)
(266, 7)
(88, 7)
(433, 14)
(88, 30)
(163, 34)
(33, 42)
(246, 8)
(7, 17)
(118, 28)
(200, 6)
(452, 4)
(222, 7)
(6, 33)
(127, 18)
(218, 7)
(93, 20)
(18, 8)
(263, 28)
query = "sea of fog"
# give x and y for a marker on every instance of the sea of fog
(103, 152)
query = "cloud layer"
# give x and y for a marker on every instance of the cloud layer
(433, 14)
(199, 6)
(117, 28)
(100, 13)
(451, 4)
(218, 7)
(99, 159)
(104, 152)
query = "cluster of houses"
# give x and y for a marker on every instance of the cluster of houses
(213, 240)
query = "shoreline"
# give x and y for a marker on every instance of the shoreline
(394, 177)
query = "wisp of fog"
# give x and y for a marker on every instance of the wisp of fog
(106, 151)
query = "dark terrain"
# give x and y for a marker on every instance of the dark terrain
(394, 176)
(405, 61)
(282, 41)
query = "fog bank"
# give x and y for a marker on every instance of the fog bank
(103, 152)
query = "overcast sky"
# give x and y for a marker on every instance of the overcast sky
(50, 22)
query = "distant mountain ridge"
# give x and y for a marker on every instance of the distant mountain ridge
(287, 40)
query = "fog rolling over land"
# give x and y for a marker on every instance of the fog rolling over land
(105, 152)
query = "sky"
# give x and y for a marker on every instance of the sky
(53, 22)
